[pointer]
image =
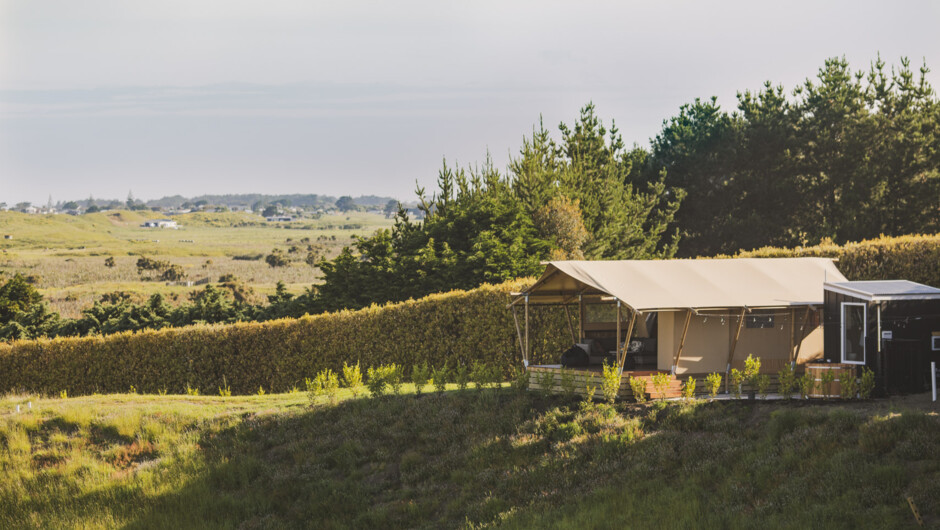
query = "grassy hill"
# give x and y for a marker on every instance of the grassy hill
(65, 254)
(464, 459)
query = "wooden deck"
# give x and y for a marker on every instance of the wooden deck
(591, 376)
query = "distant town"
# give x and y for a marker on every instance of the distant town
(274, 208)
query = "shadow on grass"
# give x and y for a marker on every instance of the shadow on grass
(531, 461)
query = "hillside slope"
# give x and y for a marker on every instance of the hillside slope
(464, 459)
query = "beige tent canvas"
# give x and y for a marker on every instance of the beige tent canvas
(689, 316)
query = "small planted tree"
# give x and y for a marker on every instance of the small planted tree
(848, 388)
(806, 383)
(352, 378)
(867, 384)
(395, 376)
(661, 384)
(611, 382)
(826, 379)
(567, 383)
(638, 387)
(713, 384)
(376, 382)
(737, 378)
(546, 382)
(439, 377)
(763, 385)
(420, 373)
(688, 389)
(786, 380)
(479, 375)
(461, 377)
(752, 372)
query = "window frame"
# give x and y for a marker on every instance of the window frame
(864, 332)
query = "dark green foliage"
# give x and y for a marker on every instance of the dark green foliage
(474, 232)
(849, 156)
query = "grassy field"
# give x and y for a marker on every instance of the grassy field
(65, 254)
(463, 460)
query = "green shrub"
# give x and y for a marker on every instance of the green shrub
(589, 390)
(610, 383)
(737, 378)
(867, 384)
(806, 383)
(751, 371)
(713, 384)
(479, 374)
(395, 376)
(462, 377)
(848, 385)
(520, 380)
(661, 384)
(420, 373)
(546, 381)
(825, 381)
(638, 387)
(325, 383)
(763, 384)
(567, 383)
(352, 378)
(439, 377)
(786, 380)
(376, 382)
(688, 389)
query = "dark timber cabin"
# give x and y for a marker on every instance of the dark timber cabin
(683, 317)
(892, 327)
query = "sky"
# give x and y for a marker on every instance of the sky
(103, 97)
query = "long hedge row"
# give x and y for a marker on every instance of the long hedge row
(913, 257)
(459, 327)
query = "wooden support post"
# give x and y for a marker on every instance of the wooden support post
(525, 355)
(619, 318)
(580, 316)
(574, 339)
(734, 344)
(803, 333)
(685, 331)
(515, 318)
(623, 358)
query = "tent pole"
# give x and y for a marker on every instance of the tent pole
(734, 344)
(618, 332)
(685, 331)
(623, 359)
(796, 355)
(515, 318)
(525, 355)
(580, 316)
(570, 327)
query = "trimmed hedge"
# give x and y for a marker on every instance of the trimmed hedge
(460, 327)
(914, 257)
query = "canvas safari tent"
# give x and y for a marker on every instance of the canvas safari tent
(686, 317)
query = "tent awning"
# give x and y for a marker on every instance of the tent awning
(657, 285)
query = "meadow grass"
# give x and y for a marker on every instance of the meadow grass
(65, 254)
(462, 459)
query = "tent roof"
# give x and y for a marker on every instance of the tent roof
(885, 290)
(647, 285)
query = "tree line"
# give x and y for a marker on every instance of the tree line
(845, 156)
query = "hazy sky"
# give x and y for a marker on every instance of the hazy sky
(188, 97)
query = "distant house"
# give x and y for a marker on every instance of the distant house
(280, 219)
(160, 223)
